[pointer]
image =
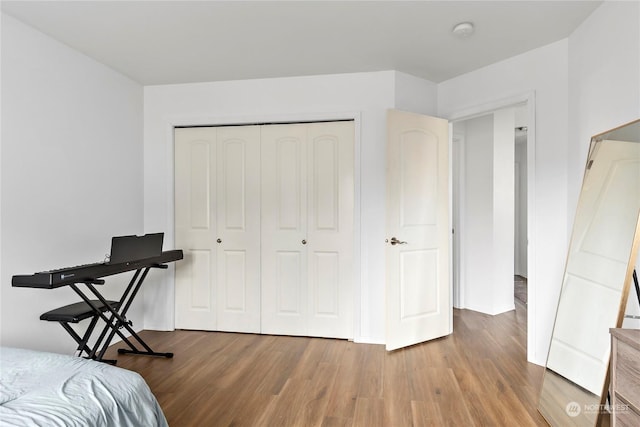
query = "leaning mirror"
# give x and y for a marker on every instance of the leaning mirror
(596, 282)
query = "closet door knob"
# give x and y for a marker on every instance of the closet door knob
(304, 242)
(219, 240)
(395, 241)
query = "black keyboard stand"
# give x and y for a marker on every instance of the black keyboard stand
(117, 318)
(113, 313)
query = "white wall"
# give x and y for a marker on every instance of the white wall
(415, 94)
(477, 216)
(521, 137)
(458, 143)
(71, 175)
(604, 82)
(604, 92)
(487, 229)
(363, 96)
(503, 209)
(520, 262)
(544, 71)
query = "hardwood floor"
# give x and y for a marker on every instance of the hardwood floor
(520, 289)
(476, 377)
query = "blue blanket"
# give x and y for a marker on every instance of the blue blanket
(47, 389)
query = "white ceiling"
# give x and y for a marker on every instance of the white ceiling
(164, 42)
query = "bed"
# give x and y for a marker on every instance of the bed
(47, 389)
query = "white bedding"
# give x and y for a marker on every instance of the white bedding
(47, 389)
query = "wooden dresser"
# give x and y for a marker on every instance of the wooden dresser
(625, 377)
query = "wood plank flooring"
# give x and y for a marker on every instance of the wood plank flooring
(476, 377)
(520, 289)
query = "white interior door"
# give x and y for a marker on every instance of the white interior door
(418, 288)
(217, 220)
(596, 266)
(307, 229)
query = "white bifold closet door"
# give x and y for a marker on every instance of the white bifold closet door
(217, 220)
(264, 215)
(307, 229)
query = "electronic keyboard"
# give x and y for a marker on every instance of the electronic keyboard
(90, 273)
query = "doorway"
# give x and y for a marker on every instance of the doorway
(490, 170)
(520, 210)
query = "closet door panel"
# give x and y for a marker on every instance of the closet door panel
(324, 284)
(330, 231)
(284, 222)
(199, 198)
(290, 189)
(233, 188)
(196, 280)
(238, 228)
(195, 177)
(235, 286)
(324, 177)
(289, 276)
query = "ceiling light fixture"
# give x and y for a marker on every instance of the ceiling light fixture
(463, 30)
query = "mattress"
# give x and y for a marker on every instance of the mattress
(48, 389)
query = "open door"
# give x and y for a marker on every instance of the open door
(418, 294)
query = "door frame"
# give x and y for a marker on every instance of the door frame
(527, 98)
(285, 118)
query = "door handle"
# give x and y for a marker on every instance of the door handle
(395, 241)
